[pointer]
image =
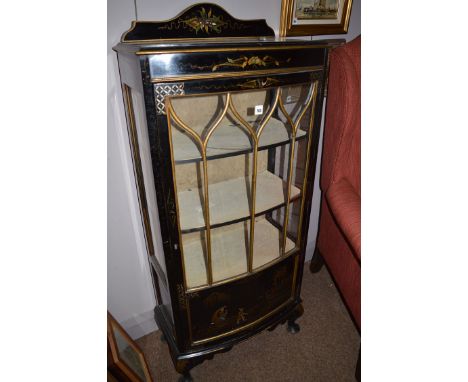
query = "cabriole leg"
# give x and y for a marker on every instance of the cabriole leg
(293, 327)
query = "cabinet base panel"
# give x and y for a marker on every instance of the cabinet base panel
(185, 361)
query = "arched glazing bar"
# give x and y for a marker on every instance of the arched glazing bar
(255, 134)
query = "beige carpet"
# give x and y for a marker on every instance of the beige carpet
(326, 348)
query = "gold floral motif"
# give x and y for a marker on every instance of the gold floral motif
(259, 83)
(205, 21)
(250, 84)
(243, 62)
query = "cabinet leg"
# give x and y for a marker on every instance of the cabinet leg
(186, 377)
(316, 263)
(293, 327)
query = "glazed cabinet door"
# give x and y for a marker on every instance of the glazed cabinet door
(239, 161)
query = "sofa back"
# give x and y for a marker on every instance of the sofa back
(342, 135)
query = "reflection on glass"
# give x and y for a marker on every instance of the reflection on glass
(128, 354)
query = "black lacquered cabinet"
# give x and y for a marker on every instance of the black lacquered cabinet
(224, 129)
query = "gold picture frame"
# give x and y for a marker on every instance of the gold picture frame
(125, 360)
(314, 17)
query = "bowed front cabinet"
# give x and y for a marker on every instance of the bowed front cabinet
(223, 130)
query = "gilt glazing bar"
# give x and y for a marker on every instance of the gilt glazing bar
(225, 188)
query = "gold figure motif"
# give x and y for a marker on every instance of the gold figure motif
(219, 316)
(241, 316)
(206, 21)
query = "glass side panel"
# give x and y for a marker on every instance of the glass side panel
(237, 157)
(138, 135)
(276, 218)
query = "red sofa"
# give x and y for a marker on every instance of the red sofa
(339, 236)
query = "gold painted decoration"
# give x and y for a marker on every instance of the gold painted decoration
(199, 21)
(243, 63)
(206, 21)
(259, 83)
(219, 315)
(203, 21)
(241, 316)
(250, 84)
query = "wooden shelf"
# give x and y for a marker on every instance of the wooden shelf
(229, 201)
(229, 250)
(229, 140)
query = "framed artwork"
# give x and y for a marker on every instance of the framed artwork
(314, 17)
(125, 360)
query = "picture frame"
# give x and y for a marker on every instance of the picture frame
(125, 360)
(314, 17)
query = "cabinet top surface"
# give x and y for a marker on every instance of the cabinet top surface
(168, 46)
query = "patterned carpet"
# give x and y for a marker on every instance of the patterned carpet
(326, 348)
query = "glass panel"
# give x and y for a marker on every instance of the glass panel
(288, 162)
(128, 354)
(191, 201)
(293, 221)
(199, 112)
(268, 243)
(234, 163)
(229, 250)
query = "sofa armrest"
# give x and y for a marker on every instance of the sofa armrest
(345, 206)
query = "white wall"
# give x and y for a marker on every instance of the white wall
(129, 290)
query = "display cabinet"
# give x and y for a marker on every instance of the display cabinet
(223, 121)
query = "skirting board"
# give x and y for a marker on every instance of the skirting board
(140, 325)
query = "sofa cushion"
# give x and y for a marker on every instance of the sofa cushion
(345, 206)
